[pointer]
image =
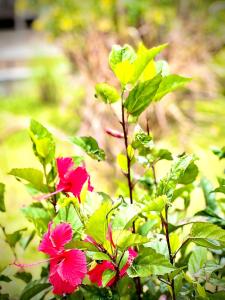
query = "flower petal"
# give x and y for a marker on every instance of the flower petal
(95, 274)
(53, 242)
(131, 257)
(61, 235)
(77, 178)
(46, 244)
(64, 165)
(60, 286)
(73, 267)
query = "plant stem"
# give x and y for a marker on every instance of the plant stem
(53, 201)
(129, 181)
(184, 243)
(125, 133)
(165, 224)
(154, 174)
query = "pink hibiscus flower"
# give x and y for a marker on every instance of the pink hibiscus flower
(131, 257)
(95, 274)
(68, 267)
(71, 179)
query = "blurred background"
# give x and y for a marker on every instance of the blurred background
(53, 52)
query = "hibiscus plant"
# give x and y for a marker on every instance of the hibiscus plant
(140, 242)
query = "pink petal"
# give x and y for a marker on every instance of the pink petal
(95, 275)
(46, 244)
(77, 179)
(64, 165)
(53, 242)
(60, 286)
(61, 235)
(114, 133)
(73, 267)
(109, 236)
(131, 257)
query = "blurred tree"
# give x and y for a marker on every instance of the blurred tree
(87, 29)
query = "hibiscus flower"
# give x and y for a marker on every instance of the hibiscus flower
(71, 179)
(68, 267)
(96, 273)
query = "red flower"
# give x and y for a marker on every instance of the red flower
(67, 267)
(131, 257)
(71, 179)
(95, 274)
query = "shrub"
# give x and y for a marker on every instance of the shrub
(138, 245)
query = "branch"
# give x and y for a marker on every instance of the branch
(184, 243)
(165, 224)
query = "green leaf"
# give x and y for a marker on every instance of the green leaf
(209, 268)
(125, 217)
(33, 176)
(107, 276)
(207, 189)
(97, 255)
(220, 189)
(149, 72)
(164, 154)
(219, 152)
(97, 224)
(39, 216)
(81, 245)
(33, 288)
(5, 278)
(147, 226)
(211, 217)
(106, 93)
(201, 290)
(217, 281)
(25, 276)
(169, 84)
(208, 235)
(69, 214)
(144, 58)
(90, 146)
(189, 175)
(13, 238)
(157, 204)
(168, 184)
(2, 192)
(178, 282)
(119, 54)
(162, 67)
(26, 241)
(217, 296)
(149, 262)
(125, 239)
(43, 143)
(142, 95)
(122, 162)
(142, 139)
(197, 259)
(121, 62)
(122, 259)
